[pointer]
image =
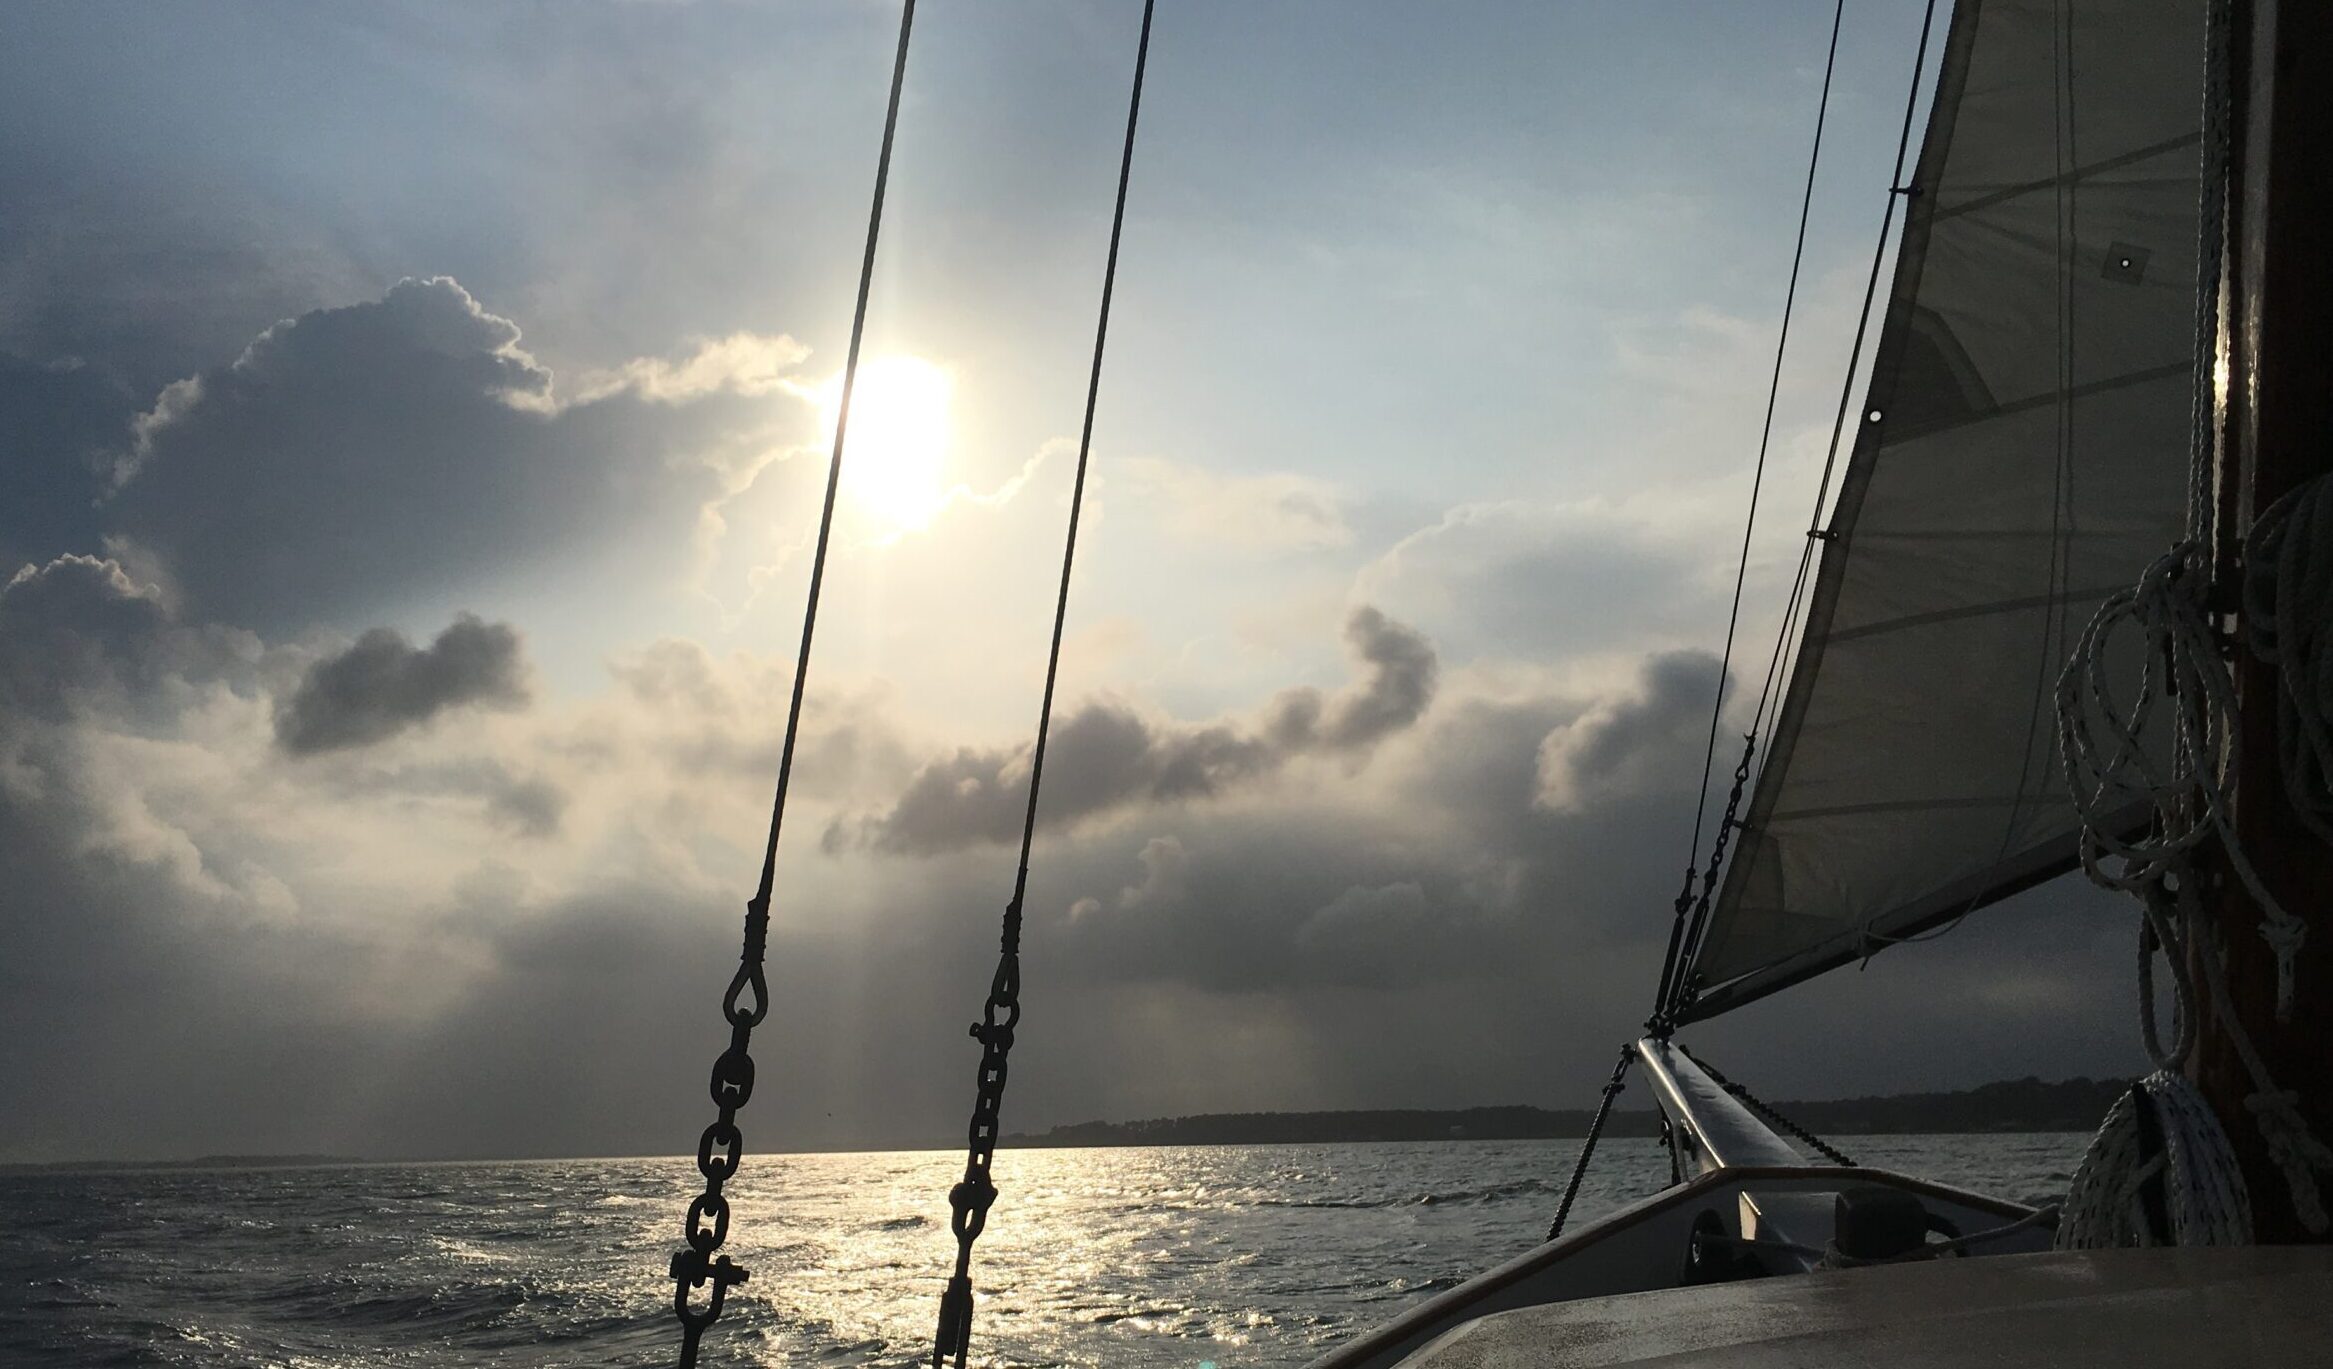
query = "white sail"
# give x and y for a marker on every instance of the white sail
(2021, 455)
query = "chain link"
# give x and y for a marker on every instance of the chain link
(972, 1198)
(1766, 1111)
(722, 1147)
(1677, 989)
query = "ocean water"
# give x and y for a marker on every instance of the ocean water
(1243, 1257)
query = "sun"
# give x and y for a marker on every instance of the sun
(895, 456)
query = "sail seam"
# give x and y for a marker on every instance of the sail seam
(1906, 806)
(1942, 615)
(2072, 177)
(1902, 433)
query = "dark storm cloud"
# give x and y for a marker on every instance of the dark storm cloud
(1647, 739)
(1106, 754)
(75, 623)
(1397, 685)
(1423, 933)
(154, 1004)
(353, 457)
(80, 633)
(384, 685)
(1443, 863)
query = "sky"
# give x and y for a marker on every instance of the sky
(412, 420)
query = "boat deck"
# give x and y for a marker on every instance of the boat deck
(2252, 1306)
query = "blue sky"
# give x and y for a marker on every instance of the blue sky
(1459, 314)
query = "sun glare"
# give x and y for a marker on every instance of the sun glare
(894, 461)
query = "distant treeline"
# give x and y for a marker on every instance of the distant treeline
(199, 1162)
(2011, 1105)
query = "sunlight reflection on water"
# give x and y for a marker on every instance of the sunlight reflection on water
(1216, 1257)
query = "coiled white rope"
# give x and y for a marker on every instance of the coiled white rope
(2104, 742)
(2203, 1198)
(2189, 791)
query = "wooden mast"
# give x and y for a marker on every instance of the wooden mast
(2274, 397)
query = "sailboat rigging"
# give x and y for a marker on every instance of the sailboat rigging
(2056, 369)
(721, 1149)
(971, 1198)
(2100, 340)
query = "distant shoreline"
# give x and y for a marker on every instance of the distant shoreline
(2014, 1106)
(2021, 1105)
(198, 1162)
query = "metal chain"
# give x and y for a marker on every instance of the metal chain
(1612, 1088)
(722, 1146)
(971, 1198)
(1766, 1110)
(1677, 984)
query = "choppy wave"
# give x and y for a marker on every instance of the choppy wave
(1250, 1257)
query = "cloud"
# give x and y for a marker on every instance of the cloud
(1397, 686)
(741, 363)
(383, 685)
(80, 633)
(1524, 580)
(1269, 512)
(354, 458)
(72, 624)
(354, 955)
(1371, 934)
(1108, 754)
(1631, 744)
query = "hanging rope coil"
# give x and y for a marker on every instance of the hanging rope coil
(2159, 1172)
(2288, 586)
(746, 1003)
(2185, 693)
(972, 1197)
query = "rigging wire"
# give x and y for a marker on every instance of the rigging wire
(721, 1149)
(1765, 719)
(971, 1198)
(1766, 429)
(1776, 672)
(1757, 483)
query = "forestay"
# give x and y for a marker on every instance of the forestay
(2021, 455)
